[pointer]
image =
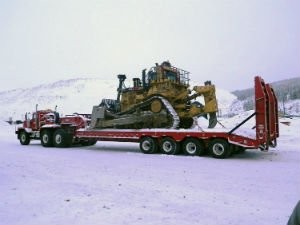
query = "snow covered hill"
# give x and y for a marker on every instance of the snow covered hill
(287, 92)
(78, 95)
(75, 95)
(290, 107)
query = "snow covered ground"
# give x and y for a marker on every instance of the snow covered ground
(113, 183)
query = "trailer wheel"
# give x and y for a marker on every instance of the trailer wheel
(46, 138)
(169, 146)
(219, 148)
(192, 146)
(89, 142)
(24, 138)
(92, 142)
(148, 145)
(61, 138)
(238, 150)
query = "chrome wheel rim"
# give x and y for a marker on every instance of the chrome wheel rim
(58, 139)
(45, 138)
(146, 145)
(191, 148)
(218, 149)
(167, 146)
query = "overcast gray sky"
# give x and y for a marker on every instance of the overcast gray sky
(227, 42)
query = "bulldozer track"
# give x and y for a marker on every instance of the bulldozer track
(167, 105)
(171, 110)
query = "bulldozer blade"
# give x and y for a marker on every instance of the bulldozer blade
(212, 120)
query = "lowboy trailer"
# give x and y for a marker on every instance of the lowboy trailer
(220, 144)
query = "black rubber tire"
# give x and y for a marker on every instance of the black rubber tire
(239, 150)
(219, 148)
(88, 142)
(169, 146)
(194, 147)
(47, 138)
(61, 138)
(148, 145)
(92, 142)
(24, 138)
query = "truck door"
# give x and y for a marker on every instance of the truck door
(34, 122)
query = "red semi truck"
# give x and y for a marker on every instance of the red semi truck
(48, 127)
(220, 144)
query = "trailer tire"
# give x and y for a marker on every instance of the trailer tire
(88, 142)
(24, 138)
(169, 146)
(194, 147)
(238, 150)
(61, 139)
(92, 142)
(219, 148)
(148, 145)
(46, 138)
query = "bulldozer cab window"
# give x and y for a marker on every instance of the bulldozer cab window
(152, 75)
(171, 75)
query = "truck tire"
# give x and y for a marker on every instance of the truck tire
(148, 145)
(46, 138)
(219, 148)
(192, 146)
(169, 146)
(24, 138)
(61, 139)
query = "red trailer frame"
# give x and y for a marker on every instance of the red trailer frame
(196, 142)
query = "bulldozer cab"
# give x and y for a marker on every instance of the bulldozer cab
(169, 72)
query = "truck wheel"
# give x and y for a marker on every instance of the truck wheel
(24, 138)
(193, 146)
(61, 138)
(169, 146)
(148, 145)
(219, 148)
(46, 138)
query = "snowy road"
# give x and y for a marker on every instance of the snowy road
(113, 183)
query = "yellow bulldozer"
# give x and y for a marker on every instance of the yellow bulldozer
(161, 99)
